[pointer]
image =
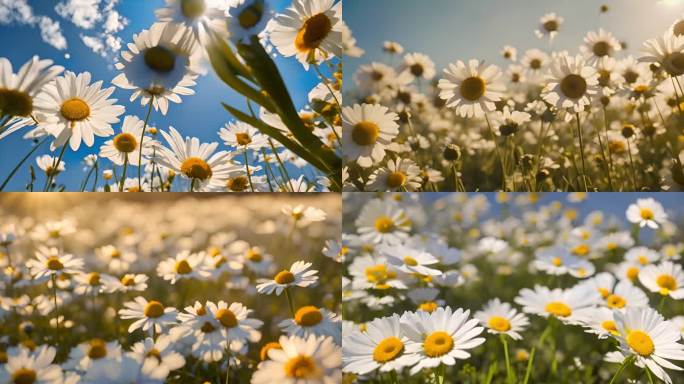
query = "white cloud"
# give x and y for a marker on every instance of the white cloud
(18, 11)
(83, 13)
(95, 44)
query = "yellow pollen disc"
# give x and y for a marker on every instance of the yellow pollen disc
(601, 49)
(388, 350)
(417, 70)
(254, 256)
(24, 376)
(674, 63)
(428, 306)
(581, 250)
(473, 88)
(557, 261)
(308, 316)
(243, 138)
(377, 274)
(54, 264)
(207, 327)
(227, 318)
(551, 26)
(438, 344)
(127, 280)
(640, 342)
(396, 179)
(97, 349)
(643, 260)
(160, 59)
(301, 367)
(535, 63)
(678, 28)
(615, 301)
(667, 283)
(573, 86)
(410, 261)
(75, 110)
(238, 184)
(251, 16)
(196, 168)
(154, 309)
(313, 32)
(15, 103)
(558, 309)
(646, 214)
(183, 267)
(284, 277)
(609, 325)
(125, 142)
(192, 8)
(263, 353)
(115, 254)
(384, 224)
(365, 133)
(154, 352)
(94, 278)
(201, 311)
(639, 89)
(632, 273)
(499, 323)
(604, 292)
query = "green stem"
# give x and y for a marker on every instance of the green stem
(648, 374)
(628, 361)
(509, 372)
(123, 175)
(249, 174)
(498, 152)
(289, 302)
(23, 160)
(581, 142)
(543, 337)
(631, 163)
(48, 181)
(142, 137)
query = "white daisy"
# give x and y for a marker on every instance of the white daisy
(371, 272)
(382, 222)
(411, 260)
(124, 147)
(243, 136)
(502, 318)
(419, 65)
(90, 352)
(247, 18)
(311, 320)
(185, 265)
(646, 212)
(49, 166)
(201, 16)
(35, 367)
(367, 130)
(17, 90)
(549, 25)
(642, 256)
(50, 262)
(666, 278)
(571, 85)
(298, 275)
(599, 45)
(564, 304)
(400, 175)
(233, 322)
(471, 89)
(160, 352)
(668, 51)
(149, 315)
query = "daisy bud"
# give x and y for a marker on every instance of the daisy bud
(452, 152)
(628, 131)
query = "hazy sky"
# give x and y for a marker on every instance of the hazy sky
(200, 115)
(449, 30)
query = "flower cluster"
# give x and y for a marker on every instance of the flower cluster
(173, 293)
(580, 295)
(598, 119)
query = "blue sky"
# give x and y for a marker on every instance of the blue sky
(200, 115)
(450, 30)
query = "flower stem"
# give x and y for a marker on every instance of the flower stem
(581, 142)
(55, 165)
(543, 337)
(123, 175)
(648, 374)
(249, 174)
(509, 372)
(289, 302)
(628, 361)
(498, 152)
(9, 177)
(142, 137)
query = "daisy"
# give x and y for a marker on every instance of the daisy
(642, 256)
(509, 123)
(622, 295)
(127, 283)
(374, 77)
(309, 30)
(535, 61)
(86, 354)
(411, 260)
(599, 321)
(115, 259)
(149, 315)
(201, 16)
(668, 51)
(311, 360)
(392, 47)
(471, 89)
(49, 262)
(646, 212)
(571, 85)
(564, 304)
(599, 45)
(234, 323)
(298, 275)
(160, 352)
(184, 265)
(160, 66)
(373, 273)
(382, 222)
(302, 215)
(509, 53)
(312, 321)
(502, 318)
(549, 25)
(440, 337)
(400, 175)
(555, 260)
(666, 278)
(75, 110)
(89, 283)
(247, 18)
(418, 65)
(34, 367)
(18, 90)
(649, 339)
(381, 346)
(425, 299)
(124, 147)
(195, 161)
(367, 130)
(243, 136)
(49, 166)
(667, 251)
(336, 250)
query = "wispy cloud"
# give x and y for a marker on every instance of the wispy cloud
(100, 19)
(20, 12)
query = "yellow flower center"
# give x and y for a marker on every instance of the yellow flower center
(237, 184)
(24, 376)
(378, 275)
(388, 350)
(196, 168)
(251, 15)
(428, 306)
(75, 109)
(473, 88)
(573, 86)
(192, 8)
(632, 273)
(284, 277)
(384, 224)
(396, 179)
(154, 309)
(227, 318)
(308, 316)
(601, 49)
(535, 63)
(94, 278)
(97, 349)
(160, 59)
(365, 133)
(417, 70)
(615, 301)
(499, 323)
(183, 267)
(410, 261)
(125, 142)
(558, 309)
(313, 32)
(254, 255)
(115, 254)
(127, 280)
(54, 264)
(646, 214)
(640, 342)
(609, 325)
(666, 283)
(15, 103)
(438, 344)
(581, 250)
(551, 26)
(557, 261)
(154, 352)
(643, 260)
(301, 367)
(678, 28)
(263, 353)
(605, 292)
(674, 63)
(207, 327)
(243, 138)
